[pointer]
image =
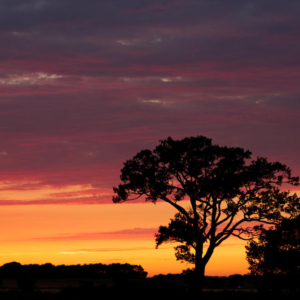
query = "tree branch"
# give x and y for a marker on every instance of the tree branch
(178, 207)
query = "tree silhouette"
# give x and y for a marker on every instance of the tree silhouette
(276, 250)
(275, 255)
(226, 190)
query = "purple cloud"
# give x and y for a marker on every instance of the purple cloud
(85, 87)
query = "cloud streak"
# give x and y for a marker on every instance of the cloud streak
(135, 233)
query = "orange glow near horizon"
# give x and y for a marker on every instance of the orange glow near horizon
(110, 233)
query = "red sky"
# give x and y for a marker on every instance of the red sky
(84, 87)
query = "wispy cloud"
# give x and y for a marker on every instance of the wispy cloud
(135, 233)
(83, 251)
(31, 79)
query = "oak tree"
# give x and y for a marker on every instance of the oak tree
(226, 190)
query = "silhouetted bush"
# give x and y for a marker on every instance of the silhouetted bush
(235, 281)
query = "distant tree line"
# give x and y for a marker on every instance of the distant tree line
(15, 270)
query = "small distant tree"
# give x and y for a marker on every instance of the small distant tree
(227, 192)
(235, 281)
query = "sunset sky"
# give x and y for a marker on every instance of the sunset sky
(85, 85)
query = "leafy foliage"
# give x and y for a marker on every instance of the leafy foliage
(179, 230)
(277, 250)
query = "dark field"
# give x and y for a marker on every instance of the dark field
(96, 281)
(156, 288)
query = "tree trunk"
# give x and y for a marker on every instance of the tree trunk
(198, 276)
(200, 264)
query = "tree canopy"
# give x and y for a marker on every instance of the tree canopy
(275, 256)
(225, 188)
(277, 249)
